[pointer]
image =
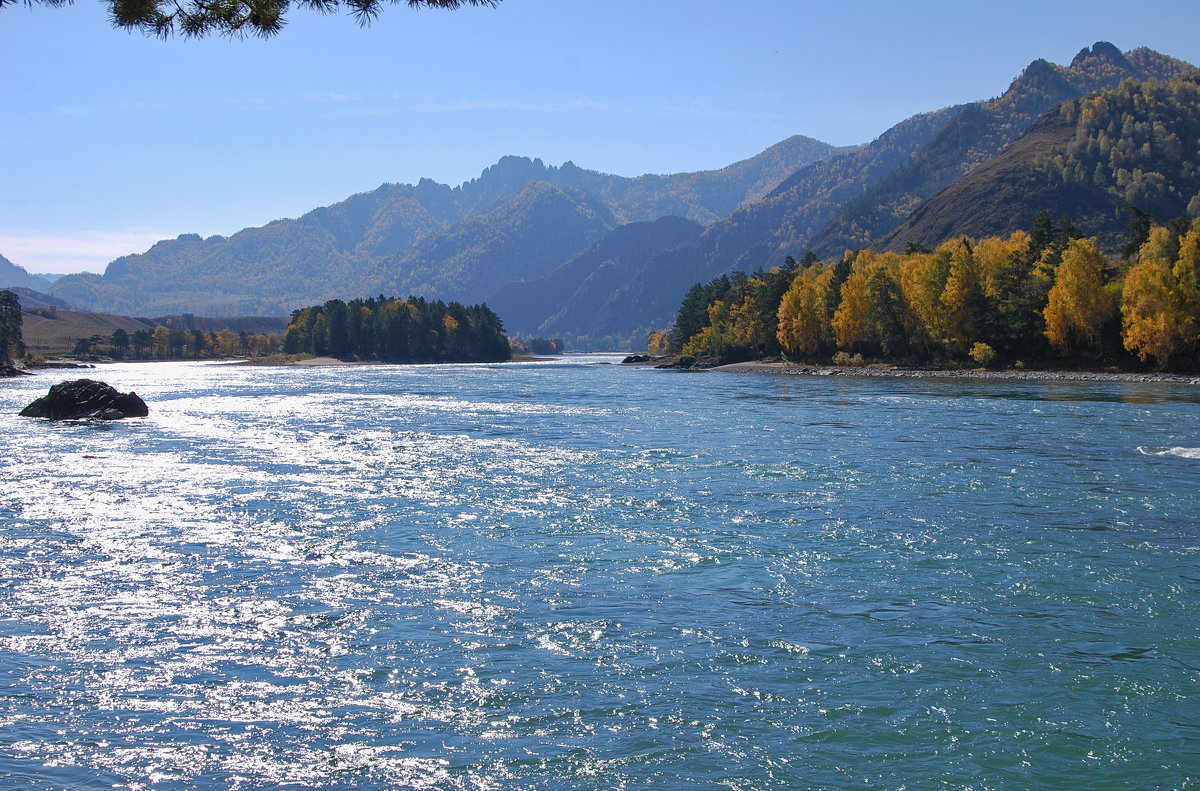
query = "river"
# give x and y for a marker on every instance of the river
(576, 575)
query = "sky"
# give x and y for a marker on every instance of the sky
(112, 140)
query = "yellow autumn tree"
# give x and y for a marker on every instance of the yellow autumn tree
(992, 256)
(850, 327)
(1077, 305)
(228, 344)
(804, 327)
(717, 337)
(922, 280)
(1160, 303)
(1149, 318)
(961, 299)
(1187, 269)
(262, 345)
(658, 343)
(1158, 247)
(748, 325)
(160, 343)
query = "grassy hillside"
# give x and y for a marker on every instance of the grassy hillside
(52, 333)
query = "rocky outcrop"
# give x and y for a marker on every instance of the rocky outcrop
(7, 369)
(86, 399)
(687, 362)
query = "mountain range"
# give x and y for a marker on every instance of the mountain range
(13, 276)
(599, 259)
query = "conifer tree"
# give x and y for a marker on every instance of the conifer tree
(885, 314)
(12, 344)
(263, 18)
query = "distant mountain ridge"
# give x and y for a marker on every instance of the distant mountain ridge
(12, 276)
(599, 259)
(368, 242)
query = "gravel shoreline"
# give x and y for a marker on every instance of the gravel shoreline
(791, 369)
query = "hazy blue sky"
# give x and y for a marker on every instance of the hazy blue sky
(111, 140)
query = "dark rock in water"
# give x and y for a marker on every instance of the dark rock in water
(85, 399)
(7, 369)
(689, 363)
(636, 358)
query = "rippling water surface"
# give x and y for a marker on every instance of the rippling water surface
(578, 576)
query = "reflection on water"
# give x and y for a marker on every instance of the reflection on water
(569, 575)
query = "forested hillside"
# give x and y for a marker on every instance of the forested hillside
(593, 299)
(978, 133)
(763, 233)
(1129, 154)
(519, 238)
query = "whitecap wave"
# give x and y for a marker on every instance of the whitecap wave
(1181, 452)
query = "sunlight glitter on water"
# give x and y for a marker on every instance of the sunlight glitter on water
(490, 577)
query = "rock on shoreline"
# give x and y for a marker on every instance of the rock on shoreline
(7, 370)
(86, 399)
(797, 369)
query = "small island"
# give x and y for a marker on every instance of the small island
(387, 329)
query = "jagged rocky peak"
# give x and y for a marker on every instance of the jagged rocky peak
(1038, 70)
(510, 167)
(1100, 51)
(428, 186)
(1040, 75)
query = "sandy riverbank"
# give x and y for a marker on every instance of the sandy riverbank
(792, 369)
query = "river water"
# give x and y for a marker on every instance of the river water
(573, 575)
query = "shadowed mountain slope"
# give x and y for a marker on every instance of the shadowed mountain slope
(12, 275)
(400, 236)
(979, 132)
(1090, 160)
(589, 301)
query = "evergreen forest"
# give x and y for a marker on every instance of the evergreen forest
(396, 330)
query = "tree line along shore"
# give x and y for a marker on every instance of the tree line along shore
(1047, 298)
(376, 329)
